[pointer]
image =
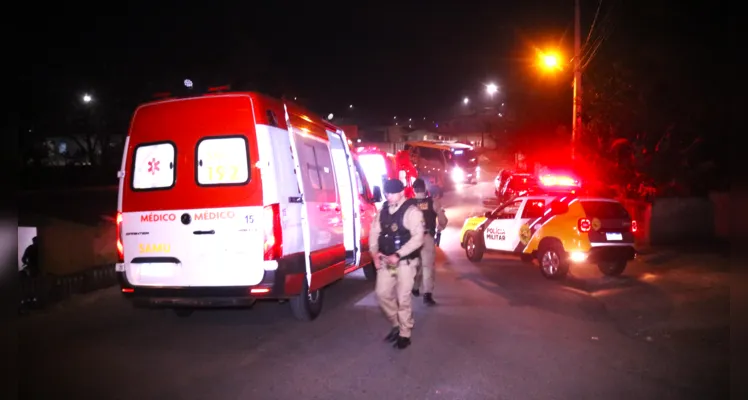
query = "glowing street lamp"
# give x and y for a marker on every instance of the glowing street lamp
(465, 101)
(491, 89)
(550, 61)
(87, 98)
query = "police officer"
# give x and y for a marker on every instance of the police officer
(433, 213)
(395, 238)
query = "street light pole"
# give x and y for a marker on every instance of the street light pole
(576, 127)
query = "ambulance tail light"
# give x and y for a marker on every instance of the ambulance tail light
(584, 225)
(272, 231)
(120, 246)
(634, 226)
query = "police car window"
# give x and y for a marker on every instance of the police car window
(154, 166)
(510, 211)
(222, 161)
(533, 209)
(604, 210)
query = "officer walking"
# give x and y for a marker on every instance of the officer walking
(433, 214)
(395, 238)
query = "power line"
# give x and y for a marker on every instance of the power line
(594, 20)
(606, 29)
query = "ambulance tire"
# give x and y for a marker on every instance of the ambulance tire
(183, 312)
(307, 306)
(370, 272)
(552, 260)
(613, 268)
(474, 248)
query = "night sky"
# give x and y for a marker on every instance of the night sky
(386, 59)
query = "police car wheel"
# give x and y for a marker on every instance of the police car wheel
(473, 247)
(613, 268)
(553, 263)
(307, 306)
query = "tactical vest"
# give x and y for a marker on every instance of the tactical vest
(429, 214)
(394, 233)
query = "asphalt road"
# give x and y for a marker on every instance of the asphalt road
(500, 331)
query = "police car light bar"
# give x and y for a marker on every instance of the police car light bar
(558, 180)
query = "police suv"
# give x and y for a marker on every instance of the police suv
(555, 230)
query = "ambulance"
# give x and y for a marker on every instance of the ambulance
(229, 198)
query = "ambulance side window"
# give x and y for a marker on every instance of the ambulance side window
(363, 187)
(317, 173)
(222, 161)
(154, 166)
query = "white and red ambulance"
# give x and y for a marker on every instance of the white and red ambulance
(228, 198)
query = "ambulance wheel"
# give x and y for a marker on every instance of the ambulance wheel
(183, 312)
(613, 268)
(307, 306)
(552, 260)
(370, 272)
(473, 247)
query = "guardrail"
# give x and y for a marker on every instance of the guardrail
(45, 290)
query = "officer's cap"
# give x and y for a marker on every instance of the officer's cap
(419, 185)
(393, 186)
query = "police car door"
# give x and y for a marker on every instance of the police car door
(504, 223)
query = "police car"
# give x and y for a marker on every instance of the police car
(557, 231)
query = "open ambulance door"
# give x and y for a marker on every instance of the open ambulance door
(345, 173)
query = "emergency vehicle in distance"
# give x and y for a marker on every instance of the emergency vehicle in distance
(444, 163)
(509, 184)
(556, 231)
(228, 198)
(377, 165)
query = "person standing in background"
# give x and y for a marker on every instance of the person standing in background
(435, 220)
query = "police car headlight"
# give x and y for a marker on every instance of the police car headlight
(458, 175)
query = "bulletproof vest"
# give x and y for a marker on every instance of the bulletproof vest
(429, 214)
(394, 233)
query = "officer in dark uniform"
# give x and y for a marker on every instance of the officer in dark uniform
(433, 214)
(395, 239)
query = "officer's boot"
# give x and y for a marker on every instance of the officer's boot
(416, 292)
(392, 335)
(428, 299)
(402, 342)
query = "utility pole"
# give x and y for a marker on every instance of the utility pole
(576, 127)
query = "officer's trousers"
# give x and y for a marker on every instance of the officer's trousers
(426, 274)
(394, 294)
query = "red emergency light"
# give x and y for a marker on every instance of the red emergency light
(559, 180)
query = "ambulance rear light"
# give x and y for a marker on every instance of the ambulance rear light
(272, 231)
(120, 246)
(634, 226)
(584, 225)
